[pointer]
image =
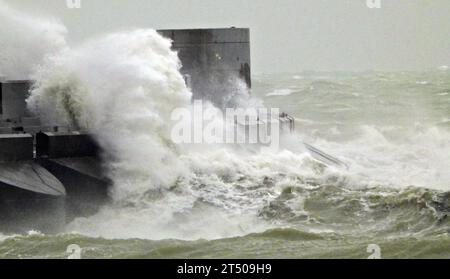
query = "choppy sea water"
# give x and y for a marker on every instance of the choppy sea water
(393, 129)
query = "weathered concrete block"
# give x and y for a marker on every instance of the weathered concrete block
(205, 36)
(16, 147)
(61, 145)
(212, 58)
(12, 99)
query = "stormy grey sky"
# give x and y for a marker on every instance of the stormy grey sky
(287, 35)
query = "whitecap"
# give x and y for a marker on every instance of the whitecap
(280, 92)
(424, 82)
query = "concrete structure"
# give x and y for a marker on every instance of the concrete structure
(47, 177)
(62, 145)
(212, 60)
(16, 147)
(30, 196)
(12, 100)
(45, 189)
(73, 158)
